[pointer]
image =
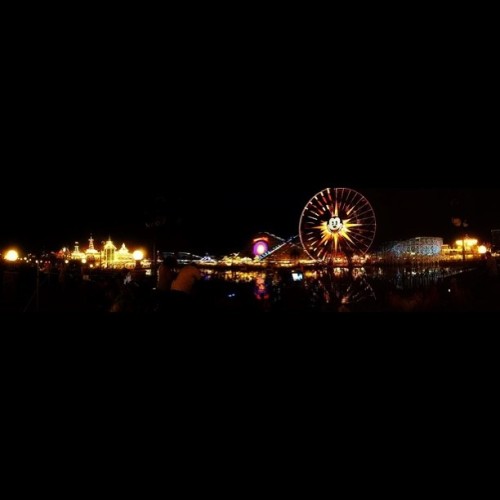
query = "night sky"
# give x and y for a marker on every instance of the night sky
(236, 142)
(218, 218)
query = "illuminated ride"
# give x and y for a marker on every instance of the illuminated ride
(337, 223)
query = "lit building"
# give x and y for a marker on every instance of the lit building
(467, 248)
(91, 253)
(108, 257)
(76, 254)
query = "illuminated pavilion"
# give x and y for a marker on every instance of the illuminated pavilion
(109, 257)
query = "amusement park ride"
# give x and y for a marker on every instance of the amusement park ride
(337, 222)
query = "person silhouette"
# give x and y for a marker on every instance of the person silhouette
(167, 273)
(183, 286)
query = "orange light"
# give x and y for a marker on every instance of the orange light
(469, 242)
(138, 255)
(11, 255)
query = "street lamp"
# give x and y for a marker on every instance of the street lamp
(11, 255)
(138, 255)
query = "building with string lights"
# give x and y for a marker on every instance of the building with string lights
(108, 257)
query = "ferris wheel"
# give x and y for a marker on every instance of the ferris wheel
(337, 222)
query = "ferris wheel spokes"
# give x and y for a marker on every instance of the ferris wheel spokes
(337, 221)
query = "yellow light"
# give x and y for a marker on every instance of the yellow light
(482, 249)
(84, 261)
(138, 255)
(11, 255)
(469, 242)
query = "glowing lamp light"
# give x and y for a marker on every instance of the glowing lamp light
(11, 255)
(482, 249)
(469, 242)
(138, 255)
(260, 248)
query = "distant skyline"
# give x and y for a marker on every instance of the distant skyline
(216, 218)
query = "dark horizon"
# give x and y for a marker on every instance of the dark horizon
(217, 219)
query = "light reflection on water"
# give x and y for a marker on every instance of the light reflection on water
(404, 277)
(335, 288)
(409, 278)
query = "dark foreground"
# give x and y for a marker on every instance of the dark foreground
(31, 290)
